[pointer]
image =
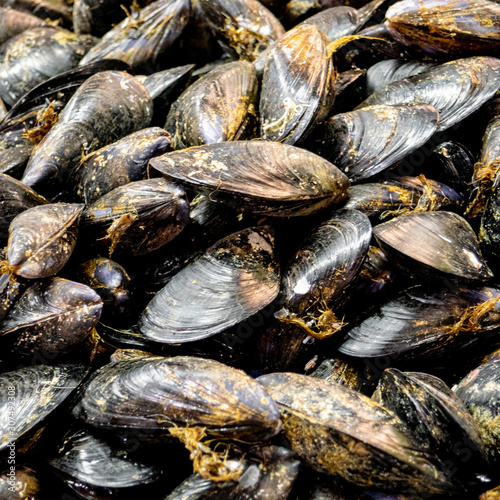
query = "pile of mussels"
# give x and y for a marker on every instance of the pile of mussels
(249, 250)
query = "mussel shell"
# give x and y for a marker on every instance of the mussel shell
(479, 390)
(89, 459)
(60, 88)
(139, 217)
(451, 163)
(380, 200)
(388, 71)
(339, 431)
(440, 27)
(263, 177)
(335, 22)
(42, 238)
(231, 281)
(15, 197)
(107, 107)
(159, 393)
(367, 141)
(118, 164)
(326, 263)
(441, 241)
(142, 40)
(216, 108)
(456, 89)
(439, 418)
(110, 281)
(13, 22)
(297, 86)
(14, 160)
(417, 322)
(36, 55)
(37, 392)
(51, 319)
(243, 28)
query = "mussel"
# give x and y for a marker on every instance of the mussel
(339, 431)
(137, 218)
(36, 55)
(233, 279)
(141, 40)
(51, 319)
(107, 107)
(456, 89)
(297, 86)
(13, 22)
(158, 394)
(216, 108)
(259, 176)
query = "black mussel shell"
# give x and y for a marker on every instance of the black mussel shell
(480, 391)
(349, 372)
(137, 218)
(110, 281)
(14, 160)
(244, 28)
(36, 55)
(51, 319)
(439, 418)
(28, 396)
(388, 71)
(216, 108)
(322, 269)
(456, 89)
(259, 176)
(297, 86)
(22, 483)
(381, 200)
(157, 394)
(59, 88)
(15, 198)
(14, 22)
(142, 39)
(107, 107)
(88, 459)
(231, 281)
(451, 163)
(42, 239)
(118, 164)
(428, 323)
(335, 22)
(337, 430)
(441, 241)
(367, 141)
(440, 27)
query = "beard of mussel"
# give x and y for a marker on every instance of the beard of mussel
(485, 177)
(321, 325)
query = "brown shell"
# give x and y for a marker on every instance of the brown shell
(41, 239)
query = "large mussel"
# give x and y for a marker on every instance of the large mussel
(108, 106)
(262, 177)
(233, 279)
(158, 394)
